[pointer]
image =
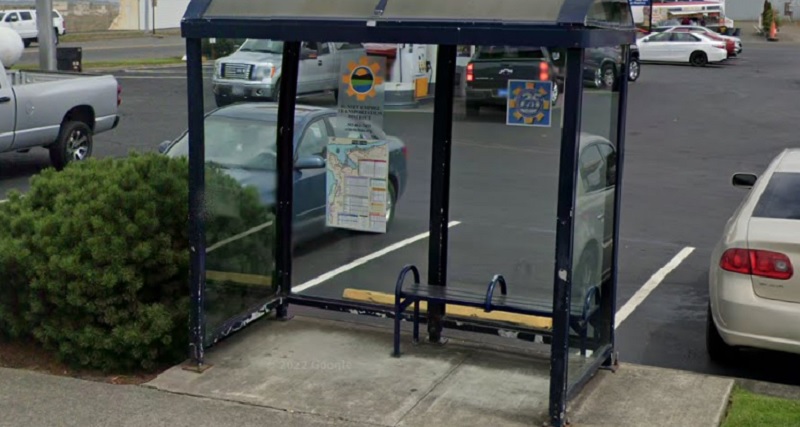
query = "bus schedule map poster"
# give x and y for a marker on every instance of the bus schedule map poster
(356, 181)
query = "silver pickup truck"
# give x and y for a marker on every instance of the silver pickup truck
(58, 111)
(253, 72)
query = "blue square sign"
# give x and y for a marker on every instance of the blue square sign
(529, 103)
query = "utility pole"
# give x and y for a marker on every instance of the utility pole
(47, 46)
(155, 4)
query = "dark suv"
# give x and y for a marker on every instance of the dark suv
(491, 67)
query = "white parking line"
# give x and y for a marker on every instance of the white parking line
(651, 285)
(363, 260)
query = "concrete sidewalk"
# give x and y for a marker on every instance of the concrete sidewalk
(312, 372)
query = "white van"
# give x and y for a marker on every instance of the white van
(23, 21)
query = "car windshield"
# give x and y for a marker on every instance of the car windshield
(779, 199)
(259, 45)
(235, 143)
(508, 52)
(2, 15)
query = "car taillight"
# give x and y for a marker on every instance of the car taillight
(719, 46)
(405, 152)
(544, 71)
(470, 72)
(119, 95)
(772, 265)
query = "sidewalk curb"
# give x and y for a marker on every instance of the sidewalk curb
(726, 402)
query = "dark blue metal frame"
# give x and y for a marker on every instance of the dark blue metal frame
(569, 31)
(567, 177)
(197, 178)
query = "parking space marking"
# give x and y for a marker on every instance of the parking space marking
(363, 260)
(651, 285)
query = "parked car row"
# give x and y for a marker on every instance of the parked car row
(491, 67)
(688, 44)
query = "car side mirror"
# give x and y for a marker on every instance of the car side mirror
(162, 148)
(744, 180)
(308, 54)
(310, 162)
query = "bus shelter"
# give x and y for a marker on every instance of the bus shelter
(554, 72)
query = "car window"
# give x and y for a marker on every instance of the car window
(340, 129)
(11, 17)
(779, 199)
(231, 142)
(26, 16)
(262, 45)
(324, 48)
(348, 46)
(508, 52)
(592, 169)
(660, 37)
(609, 155)
(315, 140)
(1, 16)
(684, 37)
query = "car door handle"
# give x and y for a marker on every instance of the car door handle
(319, 62)
(600, 216)
(5, 99)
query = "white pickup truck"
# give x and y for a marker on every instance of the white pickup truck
(58, 111)
(23, 21)
(253, 72)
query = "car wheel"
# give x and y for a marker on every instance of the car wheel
(220, 101)
(554, 95)
(699, 59)
(27, 42)
(472, 109)
(609, 76)
(55, 36)
(585, 274)
(74, 144)
(276, 93)
(716, 347)
(390, 205)
(634, 68)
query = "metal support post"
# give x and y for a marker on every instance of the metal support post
(197, 177)
(46, 39)
(567, 171)
(440, 181)
(285, 143)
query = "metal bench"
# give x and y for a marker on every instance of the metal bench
(581, 314)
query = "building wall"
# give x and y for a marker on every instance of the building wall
(749, 10)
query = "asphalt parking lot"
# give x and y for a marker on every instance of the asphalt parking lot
(688, 130)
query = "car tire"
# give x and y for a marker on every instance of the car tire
(698, 59)
(473, 109)
(27, 42)
(718, 350)
(634, 68)
(609, 75)
(556, 93)
(276, 93)
(585, 272)
(55, 36)
(74, 143)
(220, 101)
(390, 210)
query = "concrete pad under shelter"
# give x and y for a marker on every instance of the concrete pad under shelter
(344, 371)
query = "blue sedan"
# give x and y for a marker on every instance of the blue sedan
(241, 139)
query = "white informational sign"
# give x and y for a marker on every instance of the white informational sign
(357, 184)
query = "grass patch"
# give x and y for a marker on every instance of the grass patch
(117, 34)
(748, 409)
(124, 63)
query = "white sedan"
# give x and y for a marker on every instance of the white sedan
(691, 48)
(703, 30)
(754, 291)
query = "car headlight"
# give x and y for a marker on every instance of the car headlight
(217, 69)
(263, 72)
